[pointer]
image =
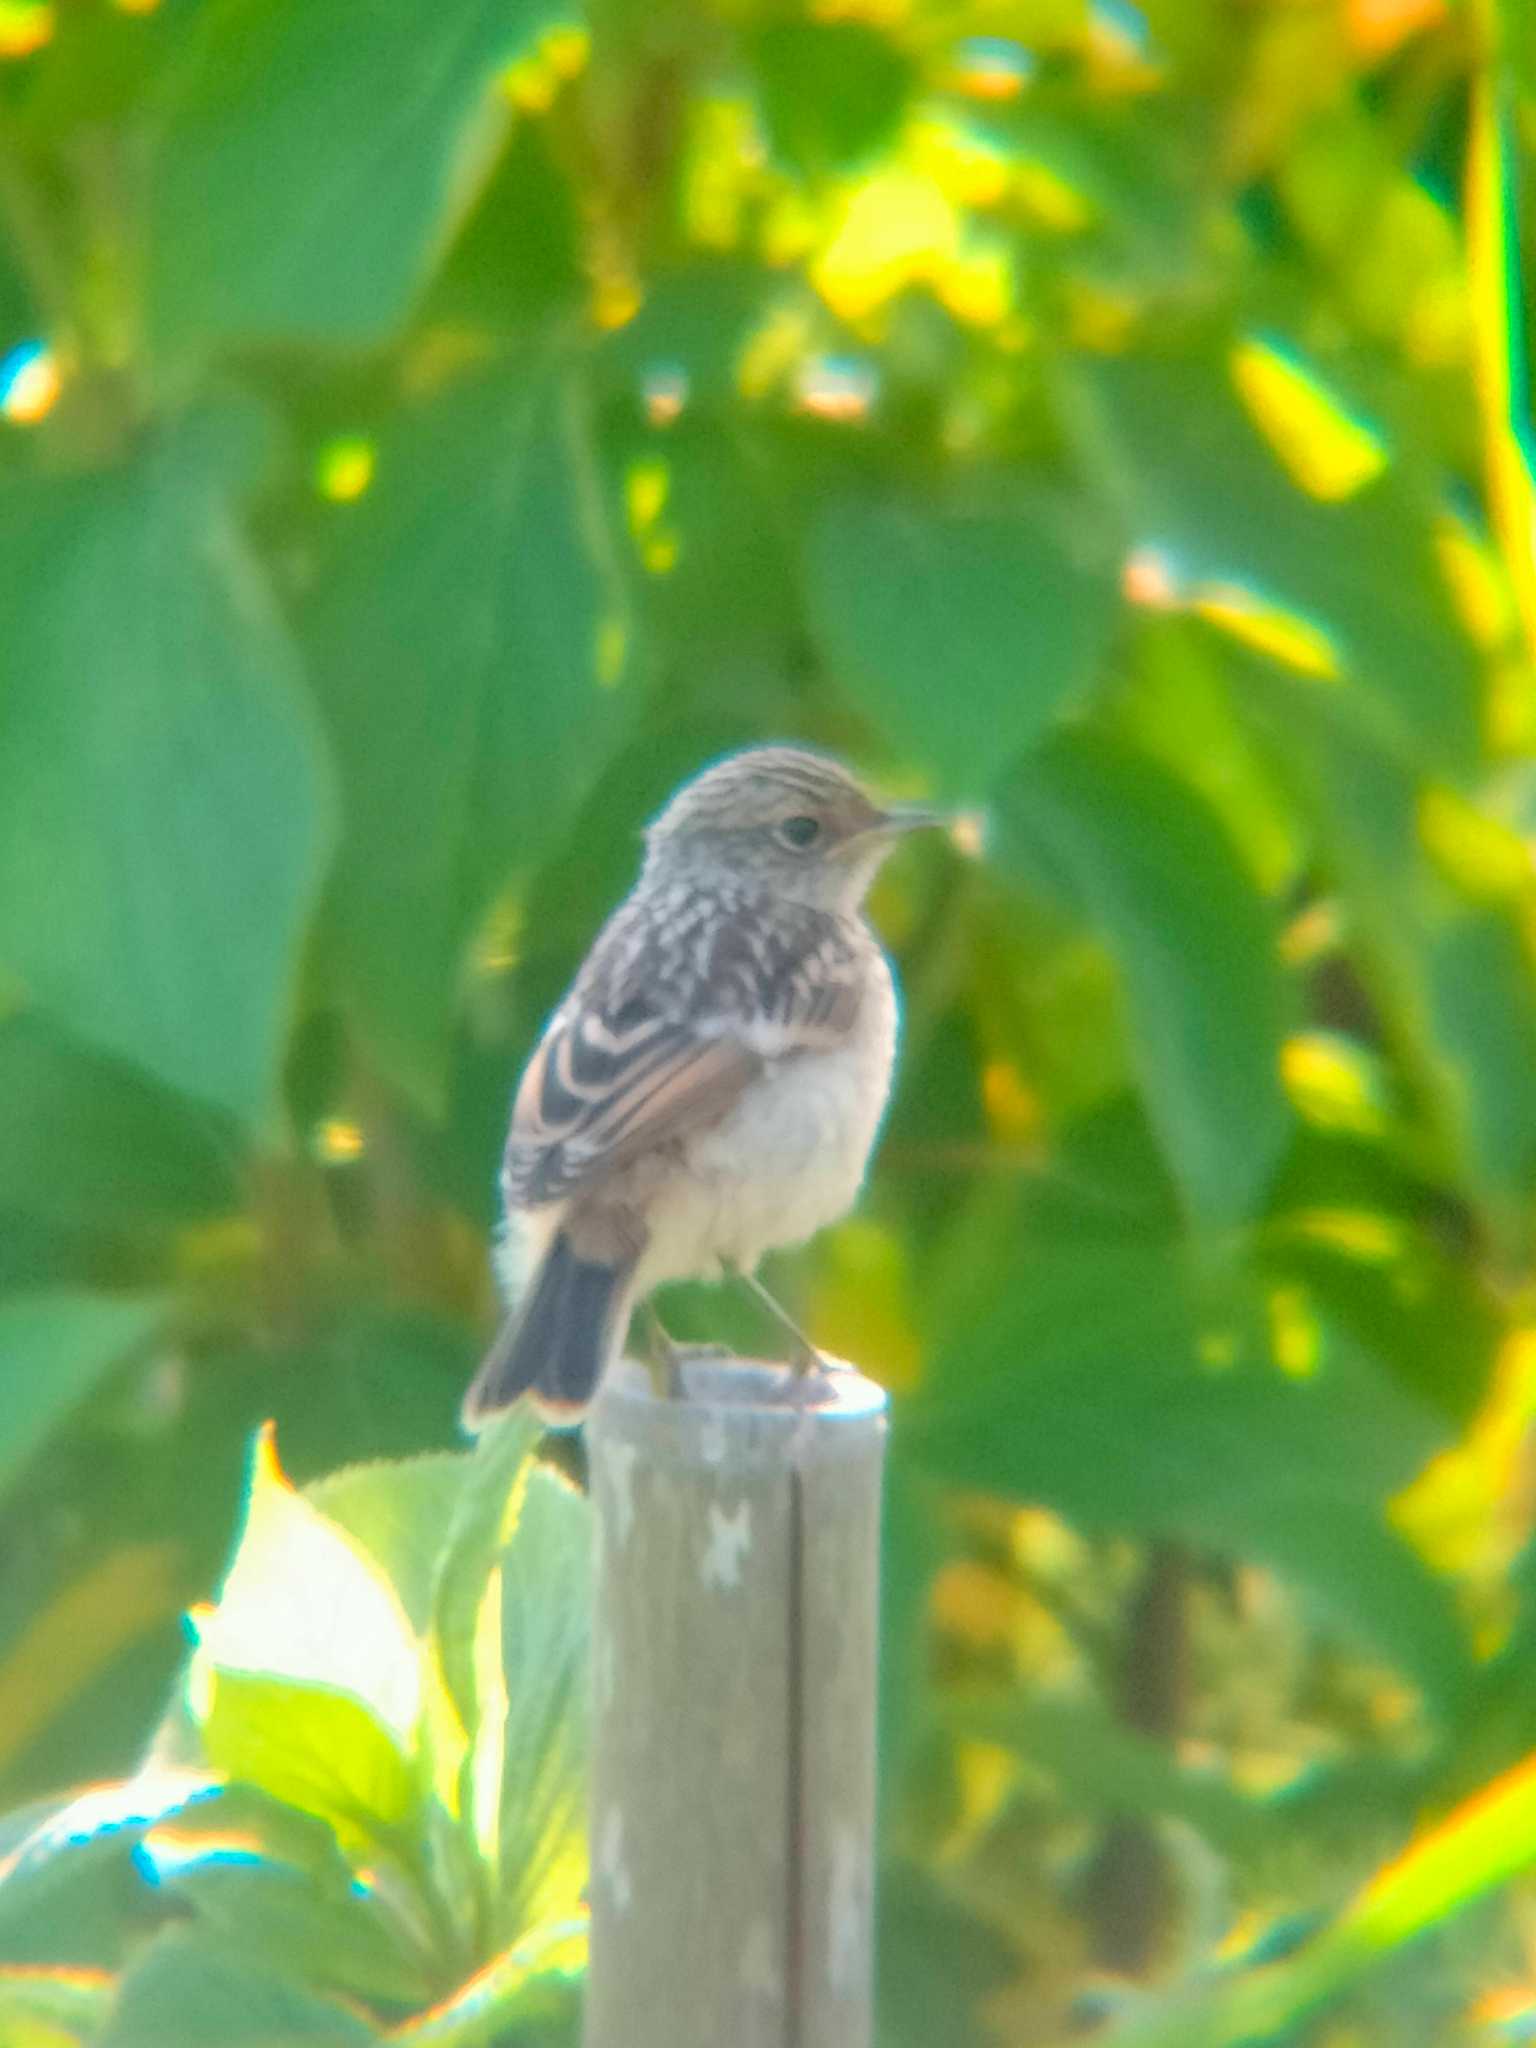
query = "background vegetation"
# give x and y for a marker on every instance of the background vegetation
(428, 431)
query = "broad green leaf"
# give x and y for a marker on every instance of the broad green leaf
(963, 635)
(1196, 944)
(402, 1512)
(85, 1138)
(403, 1515)
(468, 636)
(495, 1482)
(518, 258)
(65, 1870)
(42, 2008)
(53, 1349)
(275, 211)
(163, 806)
(271, 1880)
(304, 1606)
(1349, 592)
(832, 91)
(186, 1988)
(940, 1962)
(525, 1985)
(545, 1633)
(317, 1750)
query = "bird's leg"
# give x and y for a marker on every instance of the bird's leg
(807, 1359)
(666, 1359)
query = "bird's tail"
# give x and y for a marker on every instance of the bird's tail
(560, 1340)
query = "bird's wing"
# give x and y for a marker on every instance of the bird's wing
(667, 1024)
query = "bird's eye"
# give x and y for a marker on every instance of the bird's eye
(800, 832)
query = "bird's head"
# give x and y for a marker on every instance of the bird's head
(791, 823)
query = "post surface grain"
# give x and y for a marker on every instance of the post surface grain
(733, 1747)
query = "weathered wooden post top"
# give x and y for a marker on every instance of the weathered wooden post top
(733, 1755)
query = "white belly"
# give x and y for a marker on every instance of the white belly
(788, 1159)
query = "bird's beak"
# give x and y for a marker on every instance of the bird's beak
(912, 818)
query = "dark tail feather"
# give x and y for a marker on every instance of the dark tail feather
(557, 1345)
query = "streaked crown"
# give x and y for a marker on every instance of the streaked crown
(777, 818)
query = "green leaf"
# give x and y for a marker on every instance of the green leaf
(832, 92)
(1118, 1386)
(545, 1617)
(467, 635)
(1471, 1851)
(53, 1349)
(271, 1880)
(1441, 935)
(52, 2008)
(65, 1870)
(186, 1988)
(85, 1138)
(1211, 497)
(1196, 944)
(276, 213)
(963, 635)
(939, 1962)
(319, 1751)
(528, 1986)
(402, 1512)
(1104, 1768)
(495, 1479)
(163, 808)
(304, 1606)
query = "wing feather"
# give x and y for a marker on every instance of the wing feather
(671, 1018)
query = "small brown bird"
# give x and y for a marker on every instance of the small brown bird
(710, 1088)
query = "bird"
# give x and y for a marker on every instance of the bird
(712, 1084)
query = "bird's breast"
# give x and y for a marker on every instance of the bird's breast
(787, 1158)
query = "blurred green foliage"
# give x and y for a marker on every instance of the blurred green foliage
(427, 432)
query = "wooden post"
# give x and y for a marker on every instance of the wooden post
(733, 1747)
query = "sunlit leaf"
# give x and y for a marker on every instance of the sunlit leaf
(318, 1750)
(525, 1984)
(158, 768)
(402, 1512)
(493, 1488)
(545, 1621)
(304, 1606)
(1326, 446)
(1211, 495)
